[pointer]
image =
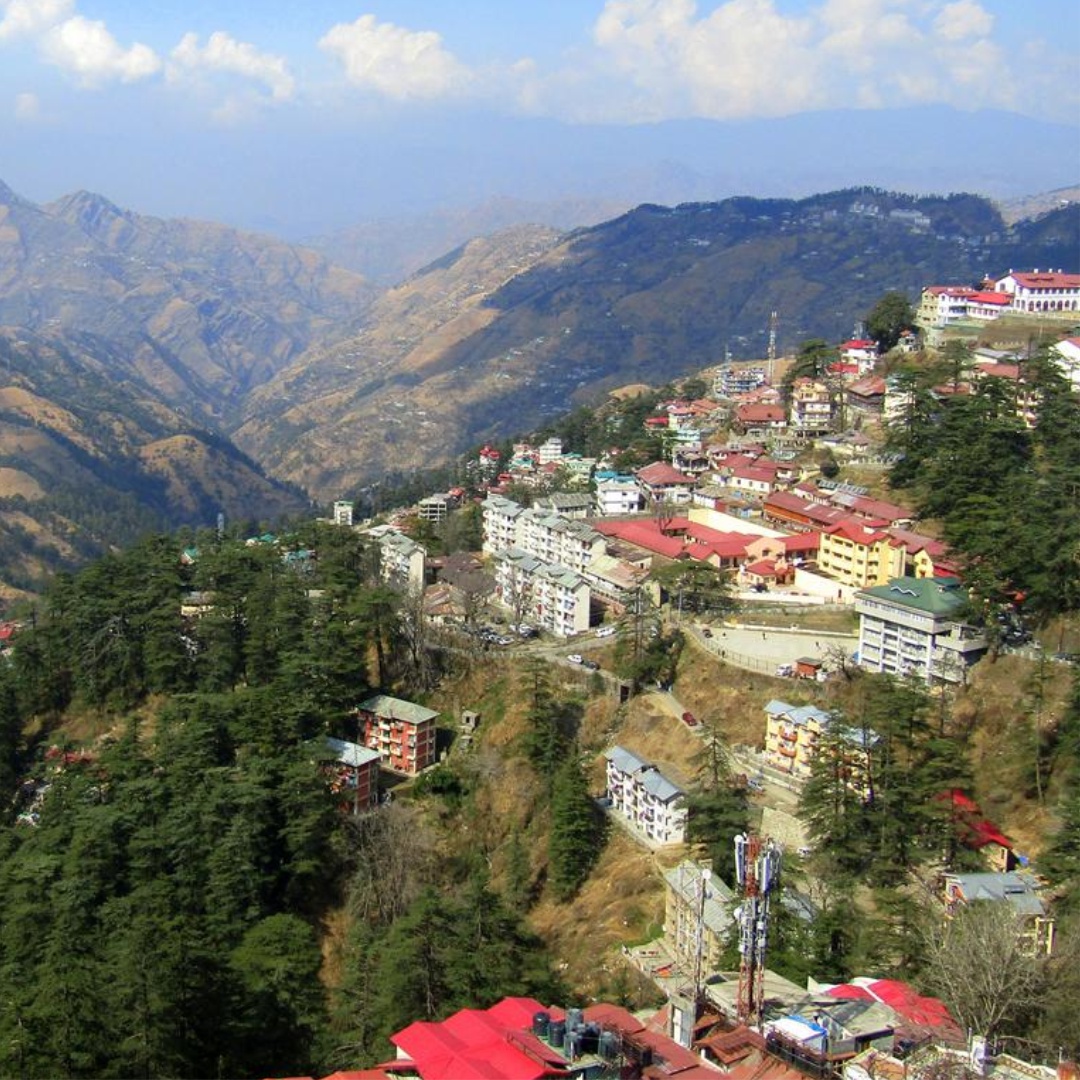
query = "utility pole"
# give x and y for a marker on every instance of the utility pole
(774, 322)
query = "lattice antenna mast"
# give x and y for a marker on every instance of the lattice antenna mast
(757, 871)
(774, 322)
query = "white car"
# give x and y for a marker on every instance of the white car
(606, 631)
(575, 658)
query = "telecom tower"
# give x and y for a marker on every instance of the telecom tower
(757, 871)
(774, 321)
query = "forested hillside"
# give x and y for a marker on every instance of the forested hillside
(91, 456)
(171, 848)
(653, 295)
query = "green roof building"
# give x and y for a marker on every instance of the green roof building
(914, 626)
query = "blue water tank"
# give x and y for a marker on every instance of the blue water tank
(574, 1019)
(541, 1021)
(557, 1033)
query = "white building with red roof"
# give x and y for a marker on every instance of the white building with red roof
(1041, 292)
(663, 483)
(862, 352)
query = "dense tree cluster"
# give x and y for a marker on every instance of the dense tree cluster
(165, 884)
(1006, 491)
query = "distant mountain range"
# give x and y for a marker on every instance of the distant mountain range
(127, 345)
(514, 328)
(158, 372)
(204, 312)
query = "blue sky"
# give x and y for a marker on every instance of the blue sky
(100, 77)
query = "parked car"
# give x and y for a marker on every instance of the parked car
(591, 665)
(689, 719)
(575, 658)
(606, 631)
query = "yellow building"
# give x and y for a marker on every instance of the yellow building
(859, 557)
(794, 732)
(863, 557)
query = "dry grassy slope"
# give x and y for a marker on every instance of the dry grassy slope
(623, 900)
(380, 401)
(210, 310)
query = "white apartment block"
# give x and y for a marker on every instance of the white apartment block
(402, 561)
(343, 513)
(550, 451)
(617, 497)
(549, 596)
(435, 508)
(641, 794)
(500, 517)
(550, 536)
(557, 539)
(910, 627)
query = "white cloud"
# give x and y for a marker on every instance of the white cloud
(27, 108)
(223, 53)
(744, 58)
(395, 62)
(29, 18)
(963, 19)
(87, 49)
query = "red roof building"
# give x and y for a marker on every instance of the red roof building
(505, 1043)
(976, 832)
(754, 416)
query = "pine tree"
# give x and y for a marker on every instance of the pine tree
(576, 834)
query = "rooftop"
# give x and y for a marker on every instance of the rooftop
(943, 596)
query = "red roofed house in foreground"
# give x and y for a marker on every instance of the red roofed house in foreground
(520, 1039)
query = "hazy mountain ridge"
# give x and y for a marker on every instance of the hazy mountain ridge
(90, 457)
(207, 311)
(305, 420)
(390, 250)
(648, 296)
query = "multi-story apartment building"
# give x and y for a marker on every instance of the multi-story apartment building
(793, 735)
(811, 411)
(558, 539)
(401, 731)
(343, 513)
(857, 556)
(698, 907)
(618, 495)
(353, 773)
(550, 596)
(500, 518)
(402, 561)
(640, 793)
(552, 537)
(435, 508)
(913, 626)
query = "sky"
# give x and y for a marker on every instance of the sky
(192, 105)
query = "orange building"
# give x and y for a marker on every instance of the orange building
(401, 731)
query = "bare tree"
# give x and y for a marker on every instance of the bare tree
(392, 855)
(982, 967)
